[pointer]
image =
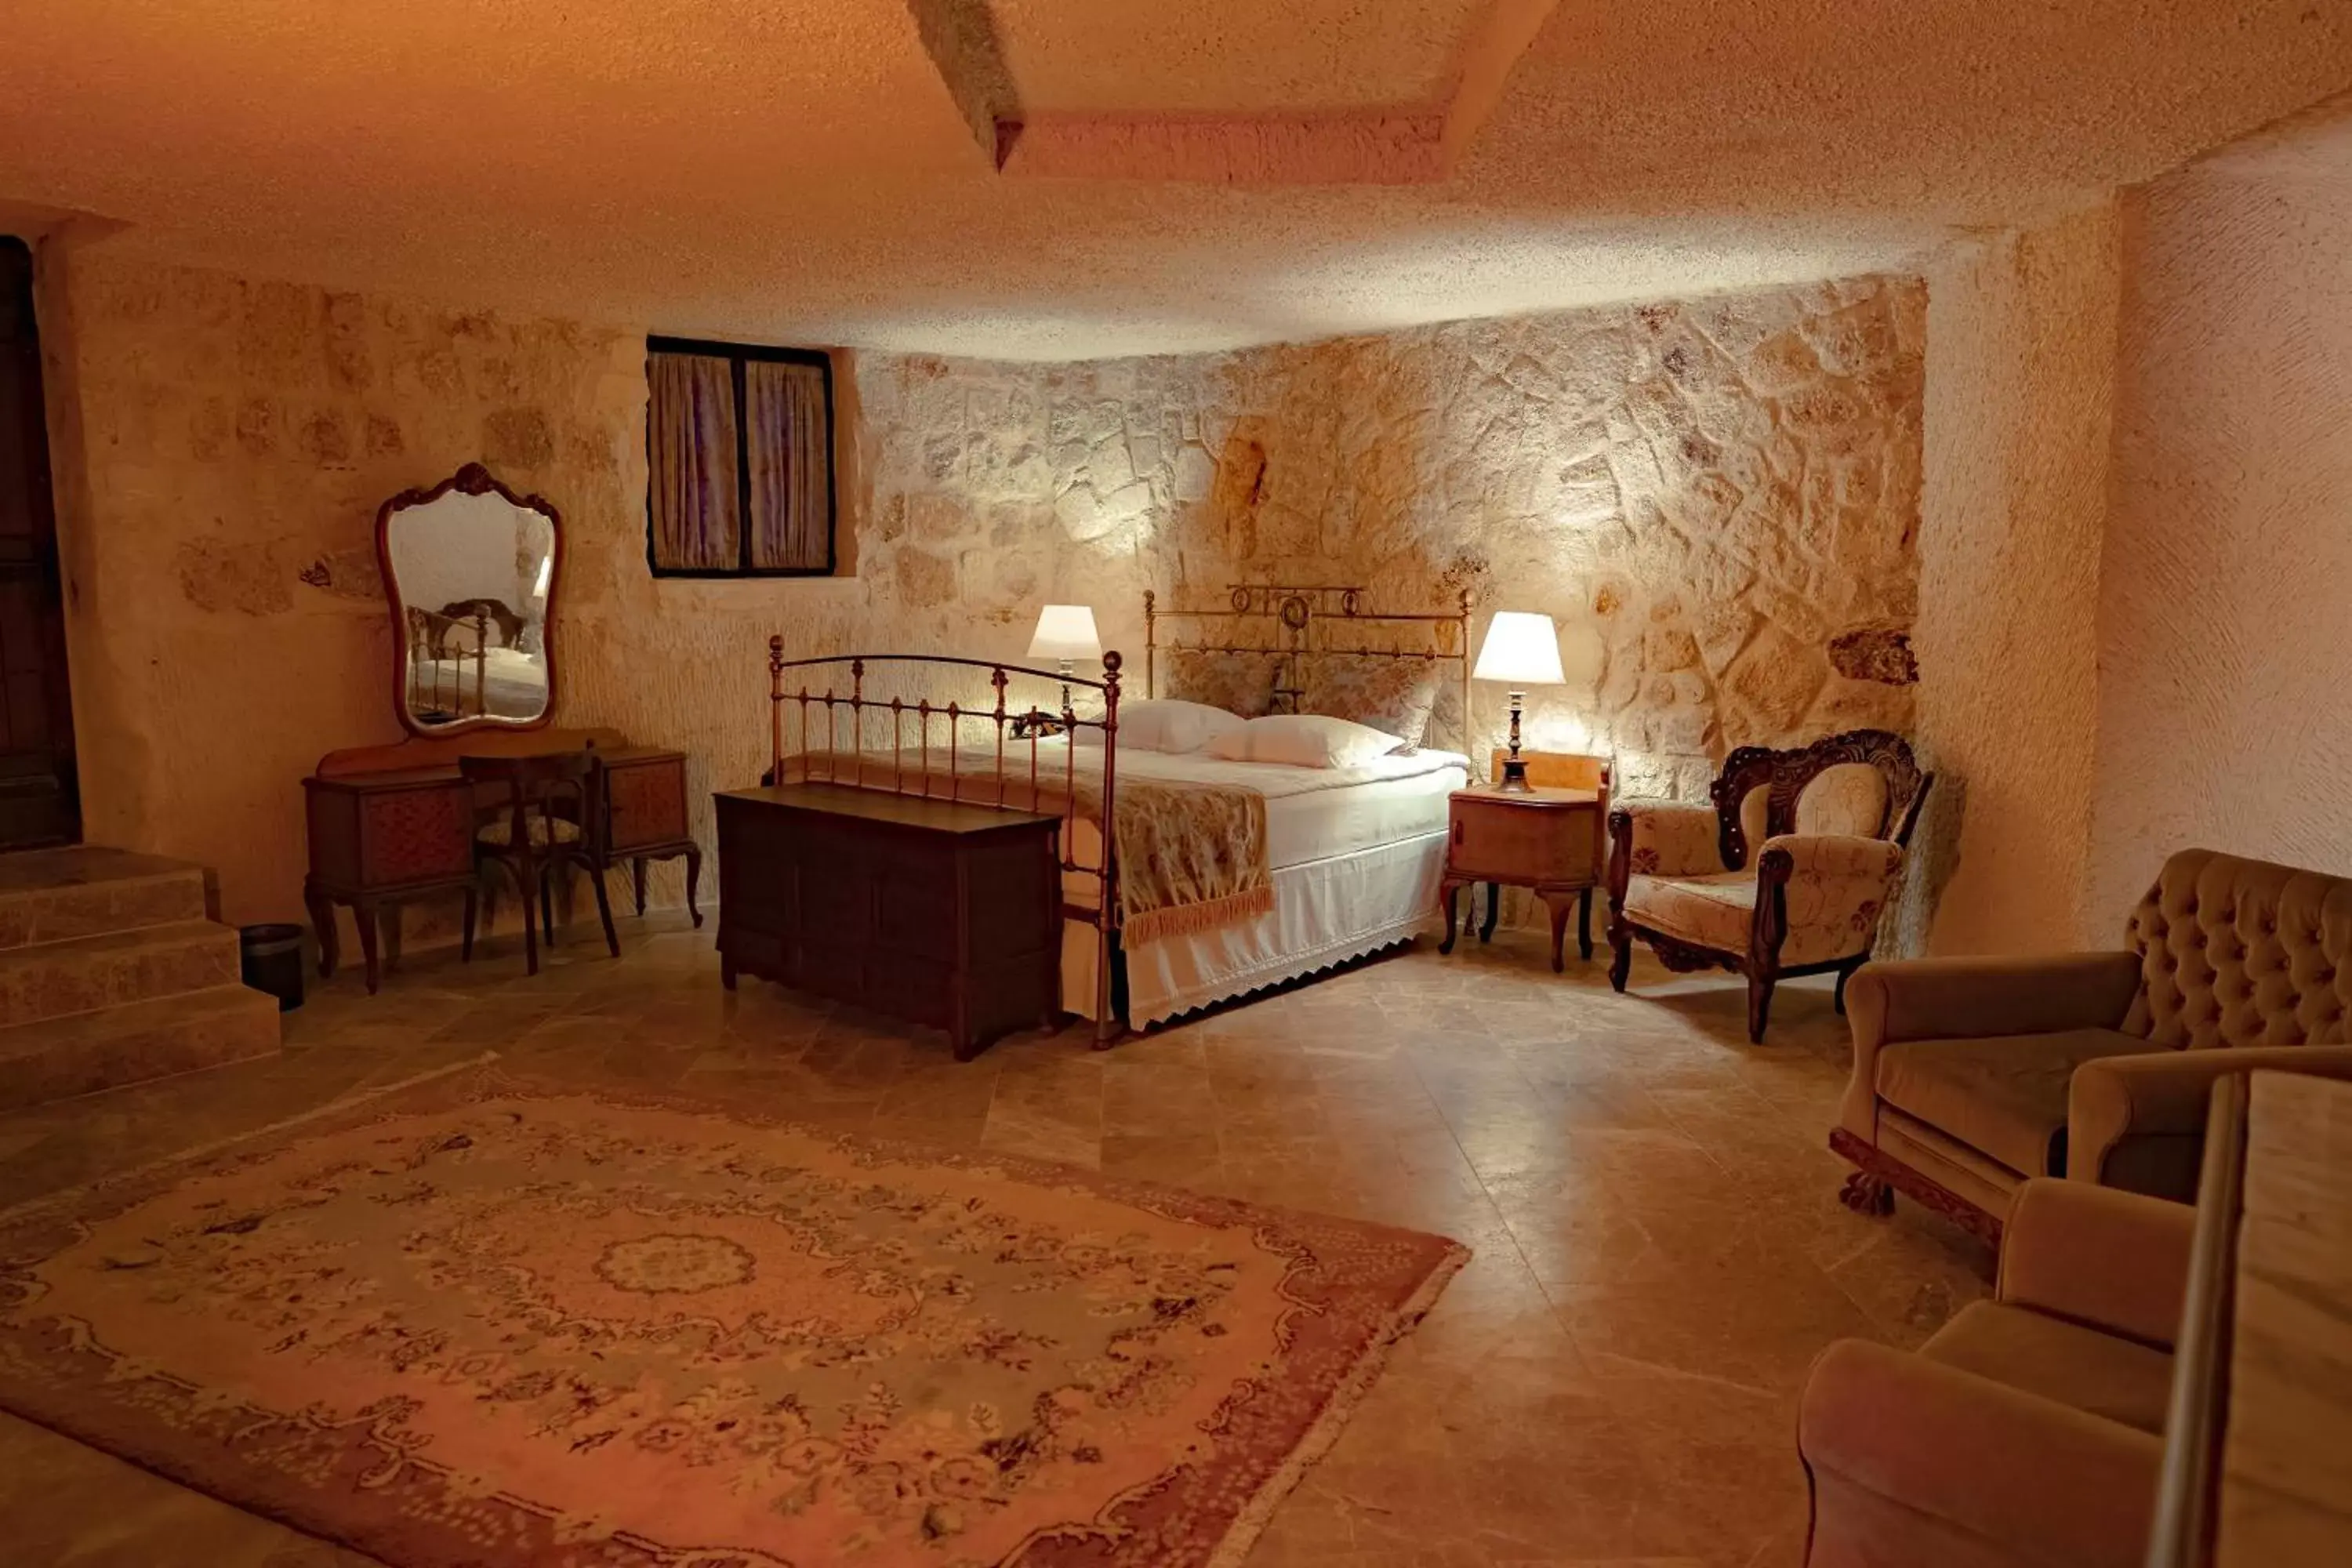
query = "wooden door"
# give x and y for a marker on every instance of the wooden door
(39, 800)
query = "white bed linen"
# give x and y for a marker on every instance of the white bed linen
(1324, 912)
(512, 684)
(1357, 855)
(1312, 814)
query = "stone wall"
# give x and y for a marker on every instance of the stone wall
(1717, 501)
(2021, 333)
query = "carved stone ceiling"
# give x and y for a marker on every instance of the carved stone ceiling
(1055, 178)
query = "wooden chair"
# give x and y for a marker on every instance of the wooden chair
(531, 841)
(1787, 872)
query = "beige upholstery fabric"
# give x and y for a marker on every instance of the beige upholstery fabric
(1850, 797)
(1239, 683)
(2005, 1096)
(2117, 1261)
(1921, 1465)
(1956, 998)
(2245, 957)
(2101, 1373)
(1674, 838)
(2242, 952)
(501, 832)
(2018, 1436)
(1835, 893)
(1714, 911)
(1755, 819)
(2138, 1122)
(1395, 696)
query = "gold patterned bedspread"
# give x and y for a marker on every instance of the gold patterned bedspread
(1191, 854)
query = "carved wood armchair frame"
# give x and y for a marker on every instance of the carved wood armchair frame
(1785, 774)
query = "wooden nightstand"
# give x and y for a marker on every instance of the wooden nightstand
(1553, 838)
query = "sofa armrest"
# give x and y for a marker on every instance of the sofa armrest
(1961, 998)
(2042, 1482)
(2112, 1260)
(1667, 837)
(2139, 1122)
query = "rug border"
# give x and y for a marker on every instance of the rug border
(1241, 1535)
(1316, 1445)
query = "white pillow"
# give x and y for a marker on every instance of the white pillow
(1166, 725)
(1304, 740)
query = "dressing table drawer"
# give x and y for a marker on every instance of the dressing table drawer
(647, 799)
(369, 834)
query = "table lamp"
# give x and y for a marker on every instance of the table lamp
(1065, 633)
(1523, 649)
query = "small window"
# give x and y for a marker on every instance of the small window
(738, 449)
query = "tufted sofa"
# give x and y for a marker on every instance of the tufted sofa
(1972, 1074)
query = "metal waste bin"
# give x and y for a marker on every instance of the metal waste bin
(270, 959)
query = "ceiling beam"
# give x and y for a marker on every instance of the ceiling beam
(967, 51)
(1404, 144)
(1376, 148)
(1493, 51)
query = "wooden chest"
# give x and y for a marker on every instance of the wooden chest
(941, 914)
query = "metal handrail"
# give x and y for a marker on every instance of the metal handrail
(2188, 1480)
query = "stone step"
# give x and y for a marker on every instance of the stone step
(57, 895)
(114, 968)
(83, 1052)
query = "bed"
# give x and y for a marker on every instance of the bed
(1344, 861)
(456, 671)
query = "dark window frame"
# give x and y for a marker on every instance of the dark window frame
(738, 355)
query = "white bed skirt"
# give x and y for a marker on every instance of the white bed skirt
(1324, 912)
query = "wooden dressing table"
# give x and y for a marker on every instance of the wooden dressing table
(389, 823)
(473, 674)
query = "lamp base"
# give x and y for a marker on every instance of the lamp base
(1514, 770)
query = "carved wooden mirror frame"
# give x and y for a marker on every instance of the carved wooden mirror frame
(473, 479)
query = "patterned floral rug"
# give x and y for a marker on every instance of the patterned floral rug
(482, 1321)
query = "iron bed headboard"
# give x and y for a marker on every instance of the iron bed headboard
(1302, 617)
(1028, 725)
(1295, 622)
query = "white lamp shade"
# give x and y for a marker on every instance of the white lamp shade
(1065, 631)
(1522, 648)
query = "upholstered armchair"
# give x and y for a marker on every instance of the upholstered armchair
(1971, 1075)
(1785, 873)
(2029, 1430)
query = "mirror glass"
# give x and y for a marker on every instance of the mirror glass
(472, 580)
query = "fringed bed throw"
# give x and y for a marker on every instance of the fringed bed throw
(1191, 857)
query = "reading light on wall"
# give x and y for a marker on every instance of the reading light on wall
(1065, 633)
(1522, 648)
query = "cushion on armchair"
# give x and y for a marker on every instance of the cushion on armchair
(2101, 1373)
(2003, 1095)
(1849, 798)
(1712, 910)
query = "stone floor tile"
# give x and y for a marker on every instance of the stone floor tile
(1657, 1251)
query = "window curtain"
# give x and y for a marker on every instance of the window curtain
(789, 445)
(691, 450)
